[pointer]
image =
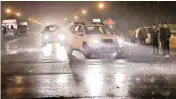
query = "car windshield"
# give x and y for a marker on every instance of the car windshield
(51, 28)
(22, 26)
(97, 30)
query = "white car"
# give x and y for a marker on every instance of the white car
(94, 38)
(53, 34)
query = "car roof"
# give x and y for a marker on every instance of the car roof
(93, 25)
(52, 26)
(89, 23)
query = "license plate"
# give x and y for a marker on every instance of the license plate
(108, 48)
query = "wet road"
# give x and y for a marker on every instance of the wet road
(29, 71)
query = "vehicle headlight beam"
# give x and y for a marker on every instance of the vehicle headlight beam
(62, 37)
(46, 37)
(96, 41)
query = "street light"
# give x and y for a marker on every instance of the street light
(84, 11)
(8, 11)
(75, 17)
(18, 14)
(101, 5)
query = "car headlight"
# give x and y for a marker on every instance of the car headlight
(61, 37)
(46, 37)
(96, 41)
(120, 42)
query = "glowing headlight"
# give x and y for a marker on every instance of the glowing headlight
(120, 42)
(61, 37)
(96, 42)
(46, 37)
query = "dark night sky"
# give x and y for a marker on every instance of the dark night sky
(132, 14)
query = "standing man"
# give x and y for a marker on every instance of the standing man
(142, 36)
(165, 35)
(155, 35)
(131, 35)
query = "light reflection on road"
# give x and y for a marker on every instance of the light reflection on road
(47, 50)
(94, 81)
(62, 79)
(119, 78)
(59, 51)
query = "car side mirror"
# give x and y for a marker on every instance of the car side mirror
(80, 33)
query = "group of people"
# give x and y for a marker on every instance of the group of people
(159, 34)
(8, 29)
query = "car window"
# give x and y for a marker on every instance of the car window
(76, 29)
(97, 30)
(80, 31)
(107, 31)
(71, 27)
(51, 28)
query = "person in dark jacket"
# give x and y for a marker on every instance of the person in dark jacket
(165, 35)
(155, 35)
(142, 36)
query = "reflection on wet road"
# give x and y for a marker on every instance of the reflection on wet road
(30, 71)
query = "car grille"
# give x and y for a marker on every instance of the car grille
(107, 41)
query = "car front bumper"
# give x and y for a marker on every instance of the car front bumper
(49, 40)
(106, 49)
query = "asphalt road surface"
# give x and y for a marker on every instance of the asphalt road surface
(30, 71)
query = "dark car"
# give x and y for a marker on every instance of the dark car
(22, 29)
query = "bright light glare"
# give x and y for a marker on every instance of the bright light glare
(84, 11)
(96, 41)
(62, 79)
(47, 50)
(101, 5)
(61, 53)
(62, 37)
(46, 37)
(114, 54)
(19, 79)
(111, 26)
(94, 81)
(119, 79)
(121, 42)
(96, 20)
(18, 14)
(8, 11)
(65, 19)
(13, 52)
(75, 17)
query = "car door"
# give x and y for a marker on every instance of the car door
(80, 37)
(72, 37)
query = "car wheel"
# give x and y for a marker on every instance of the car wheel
(69, 50)
(119, 55)
(86, 51)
